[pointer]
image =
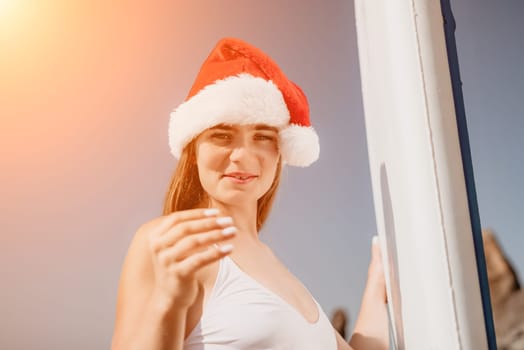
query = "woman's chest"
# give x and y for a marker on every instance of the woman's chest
(272, 277)
(243, 316)
(258, 288)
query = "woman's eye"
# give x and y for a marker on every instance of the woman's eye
(221, 136)
(264, 137)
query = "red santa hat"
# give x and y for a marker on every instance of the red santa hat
(240, 84)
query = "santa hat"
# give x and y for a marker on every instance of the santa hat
(240, 84)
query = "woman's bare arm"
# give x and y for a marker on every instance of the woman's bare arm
(371, 330)
(341, 343)
(159, 280)
(144, 320)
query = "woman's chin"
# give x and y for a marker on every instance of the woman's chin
(236, 198)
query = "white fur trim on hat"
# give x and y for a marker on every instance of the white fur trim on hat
(242, 99)
(299, 145)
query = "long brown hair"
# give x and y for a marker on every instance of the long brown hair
(186, 192)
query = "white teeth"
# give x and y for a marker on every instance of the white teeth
(241, 177)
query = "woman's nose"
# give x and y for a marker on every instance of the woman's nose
(237, 153)
(241, 148)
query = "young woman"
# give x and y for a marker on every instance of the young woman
(198, 277)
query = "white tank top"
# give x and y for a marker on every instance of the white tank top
(242, 314)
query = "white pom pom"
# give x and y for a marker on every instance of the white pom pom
(299, 145)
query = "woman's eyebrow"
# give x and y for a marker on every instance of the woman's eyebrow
(256, 127)
(265, 127)
(222, 127)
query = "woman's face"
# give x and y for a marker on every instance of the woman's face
(237, 163)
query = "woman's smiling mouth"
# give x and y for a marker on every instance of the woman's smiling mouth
(239, 177)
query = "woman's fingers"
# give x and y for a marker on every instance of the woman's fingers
(181, 243)
(190, 214)
(178, 217)
(187, 228)
(189, 266)
(376, 268)
(376, 254)
(192, 244)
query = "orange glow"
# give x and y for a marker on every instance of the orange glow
(6, 7)
(13, 14)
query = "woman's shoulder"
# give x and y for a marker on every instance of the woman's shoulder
(142, 236)
(146, 227)
(138, 256)
(139, 246)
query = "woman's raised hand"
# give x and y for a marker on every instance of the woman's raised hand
(371, 328)
(183, 242)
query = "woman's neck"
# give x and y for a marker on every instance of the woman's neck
(244, 219)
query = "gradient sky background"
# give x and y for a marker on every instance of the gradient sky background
(86, 89)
